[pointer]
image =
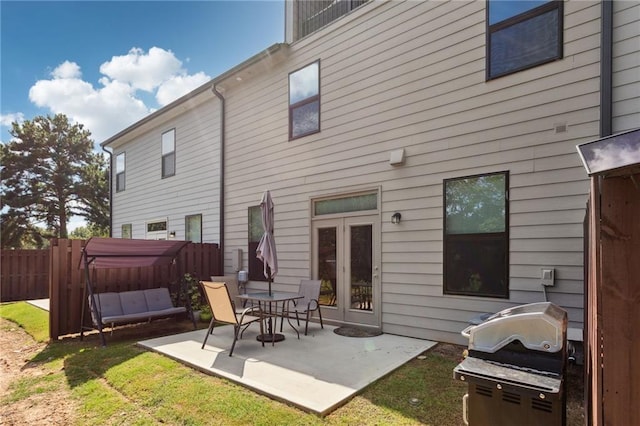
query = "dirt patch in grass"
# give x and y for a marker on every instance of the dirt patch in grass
(17, 348)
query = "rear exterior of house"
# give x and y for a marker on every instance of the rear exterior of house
(463, 122)
(158, 171)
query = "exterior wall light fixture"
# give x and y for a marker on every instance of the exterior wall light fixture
(395, 219)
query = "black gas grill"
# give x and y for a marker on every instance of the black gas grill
(515, 368)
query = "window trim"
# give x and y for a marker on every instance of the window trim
(303, 102)
(171, 153)
(474, 237)
(517, 19)
(121, 173)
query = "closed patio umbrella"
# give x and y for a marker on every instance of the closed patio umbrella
(266, 250)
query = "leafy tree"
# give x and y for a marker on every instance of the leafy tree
(86, 232)
(50, 173)
(18, 232)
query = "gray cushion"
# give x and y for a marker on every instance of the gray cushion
(109, 304)
(142, 316)
(158, 299)
(133, 302)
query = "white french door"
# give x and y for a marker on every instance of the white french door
(346, 260)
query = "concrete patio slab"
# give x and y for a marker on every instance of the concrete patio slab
(317, 373)
(40, 303)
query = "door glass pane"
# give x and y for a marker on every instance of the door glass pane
(327, 255)
(361, 267)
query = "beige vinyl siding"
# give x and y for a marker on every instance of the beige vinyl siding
(626, 66)
(194, 189)
(412, 75)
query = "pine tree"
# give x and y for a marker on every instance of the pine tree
(49, 173)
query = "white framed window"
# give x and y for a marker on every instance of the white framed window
(127, 231)
(169, 153)
(304, 101)
(193, 228)
(156, 229)
(120, 172)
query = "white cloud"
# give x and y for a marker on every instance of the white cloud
(67, 70)
(179, 85)
(7, 119)
(104, 111)
(143, 71)
(113, 104)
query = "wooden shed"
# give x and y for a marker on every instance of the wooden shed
(612, 297)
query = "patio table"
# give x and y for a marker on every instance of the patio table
(268, 304)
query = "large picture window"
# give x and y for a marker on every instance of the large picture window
(120, 173)
(256, 267)
(169, 153)
(476, 237)
(304, 101)
(522, 34)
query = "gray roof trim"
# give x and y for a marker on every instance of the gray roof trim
(268, 52)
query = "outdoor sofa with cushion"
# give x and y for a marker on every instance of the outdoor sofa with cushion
(133, 306)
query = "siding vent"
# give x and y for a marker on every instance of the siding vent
(560, 128)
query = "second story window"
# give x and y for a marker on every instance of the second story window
(522, 34)
(120, 177)
(304, 101)
(169, 153)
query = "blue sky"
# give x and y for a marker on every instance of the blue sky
(108, 64)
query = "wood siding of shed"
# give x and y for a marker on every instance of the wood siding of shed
(194, 189)
(412, 75)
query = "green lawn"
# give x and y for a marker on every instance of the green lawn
(124, 384)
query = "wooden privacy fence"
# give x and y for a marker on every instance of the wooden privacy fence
(24, 275)
(66, 279)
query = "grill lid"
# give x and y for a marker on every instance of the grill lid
(538, 326)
